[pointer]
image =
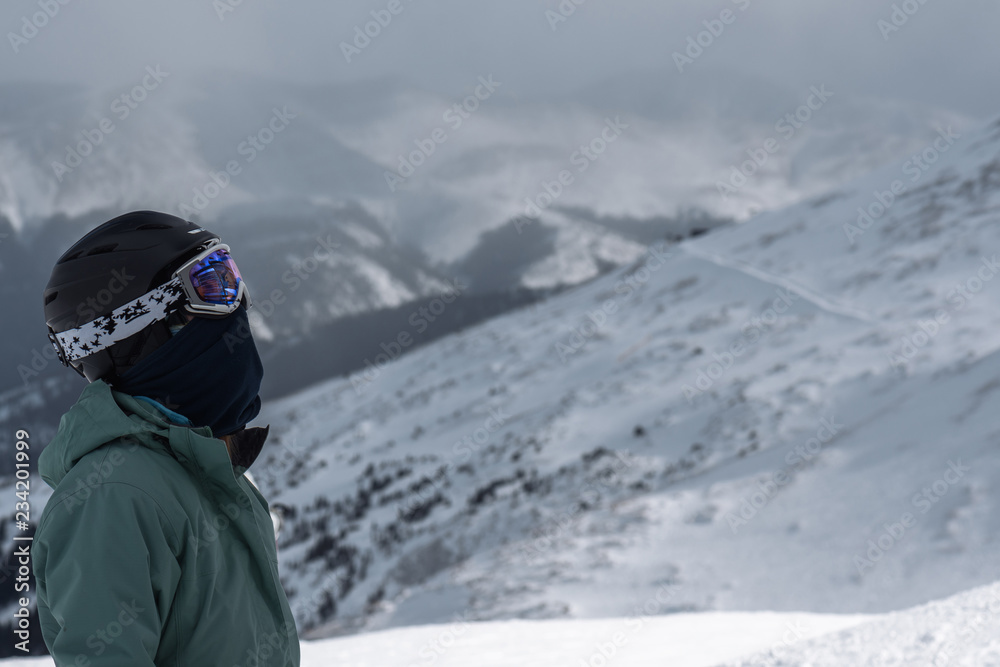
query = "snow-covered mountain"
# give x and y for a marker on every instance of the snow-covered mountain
(280, 167)
(326, 261)
(790, 414)
(441, 170)
(642, 144)
(231, 145)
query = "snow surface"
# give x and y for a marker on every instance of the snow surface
(683, 640)
(963, 631)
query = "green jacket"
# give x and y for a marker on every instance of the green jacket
(154, 549)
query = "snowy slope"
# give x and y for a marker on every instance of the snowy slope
(683, 640)
(541, 466)
(961, 630)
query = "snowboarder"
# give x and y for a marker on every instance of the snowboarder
(155, 548)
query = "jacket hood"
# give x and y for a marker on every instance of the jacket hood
(103, 414)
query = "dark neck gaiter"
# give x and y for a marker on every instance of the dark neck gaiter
(210, 372)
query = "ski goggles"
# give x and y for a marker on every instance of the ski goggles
(209, 284)
(212, 282)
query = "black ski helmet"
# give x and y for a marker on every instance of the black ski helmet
(112, 265)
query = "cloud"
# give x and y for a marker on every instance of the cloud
(943, 55)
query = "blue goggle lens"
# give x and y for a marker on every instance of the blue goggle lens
(216, 279)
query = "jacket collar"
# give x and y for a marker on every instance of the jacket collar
(247, 442)
(103, 414)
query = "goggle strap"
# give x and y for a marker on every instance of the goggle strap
(121, 323)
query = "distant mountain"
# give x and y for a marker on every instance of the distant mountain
(568, 246)
(791, 414)
(70, 151)
(720, 119)
(439, 172)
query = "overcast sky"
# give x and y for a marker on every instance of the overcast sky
(945, 54)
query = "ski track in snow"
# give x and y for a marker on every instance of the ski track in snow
(824, 302)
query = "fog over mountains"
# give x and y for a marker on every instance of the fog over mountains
(533, 195)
